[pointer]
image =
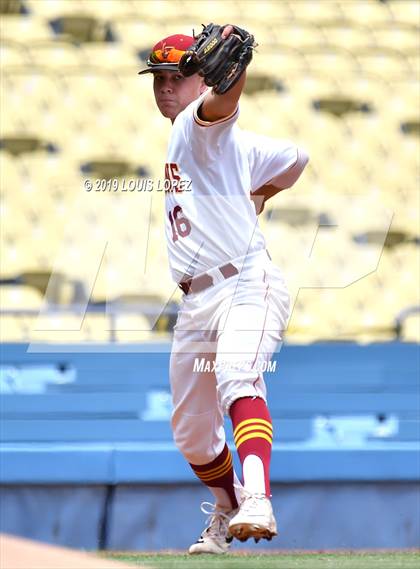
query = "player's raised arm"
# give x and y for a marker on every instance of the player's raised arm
(216, 107)
(220, 55)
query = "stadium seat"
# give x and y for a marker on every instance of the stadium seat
(56, 55)
(15, 254)
(132, 328)
(150, 13)
(315, 11)
(343, 35)
(9, 173)
(111, 56)
(404, 39)
(24, 29)
(279, 62)
(365, 86)
(49, 10)
(111, 9)
(297, 35)
(91, 86)
(13, 54)
(137, 34)
(268, 16)
(405, 12)
(411, 329)
(16, 328)
(370, 13)
(330, 61)
(20, 297)
(41, 90)
(386, 63)
(69, 328)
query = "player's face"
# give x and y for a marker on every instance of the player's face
(174, 92)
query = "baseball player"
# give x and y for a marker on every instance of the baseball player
(235, 302)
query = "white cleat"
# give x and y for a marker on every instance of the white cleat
(216, 537)
(255, 519)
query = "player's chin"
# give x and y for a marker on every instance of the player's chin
(168, 110)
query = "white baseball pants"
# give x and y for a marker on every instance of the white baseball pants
(223, 340)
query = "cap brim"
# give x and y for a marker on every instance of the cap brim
(158, 67)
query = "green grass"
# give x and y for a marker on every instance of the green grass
(347, 560)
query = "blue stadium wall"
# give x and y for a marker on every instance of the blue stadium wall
(142, 495)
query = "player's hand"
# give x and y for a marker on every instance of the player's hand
(227, 31)
(259, 203)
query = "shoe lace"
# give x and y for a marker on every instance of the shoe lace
(217, 521)
(248, 499)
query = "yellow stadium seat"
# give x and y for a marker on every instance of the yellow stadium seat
(110, 56)
(137, 33)
(132, 328)
(374, 126)
(364, 87)
(52, 9)
(315, 11)
(13, 54)
(308, 87)
(19, 297)
(278, 63)
(387, 64)
(91, 87)
(10, 178)
(43, 170)
(56, 55)
(411, 329)
(323, 133)
(31, 97)
(311, 320)
(110, 9)
(414, 64)
(151, 12)
(66, 327)
(403, 39)
(297, 35)
(15, 328)
(366, 12)
(14, 217)
(330, 61)
(25, 29)
(265, 11)
(406, 12)
(16, 255)
(344, 35)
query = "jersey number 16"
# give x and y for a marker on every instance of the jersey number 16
(179, 223)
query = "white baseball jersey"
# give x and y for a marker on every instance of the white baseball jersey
(216, 165)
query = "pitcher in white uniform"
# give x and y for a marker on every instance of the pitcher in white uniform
(235, 303)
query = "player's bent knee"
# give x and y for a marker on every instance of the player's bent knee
(196, 438)
(232, 389)
(195, 452)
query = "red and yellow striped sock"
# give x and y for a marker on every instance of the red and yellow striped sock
(218, 474)
(253, 432)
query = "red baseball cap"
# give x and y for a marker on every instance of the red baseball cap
(167, 53)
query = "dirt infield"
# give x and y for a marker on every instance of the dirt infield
(18, 553)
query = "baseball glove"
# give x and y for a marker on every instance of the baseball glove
(220, 61)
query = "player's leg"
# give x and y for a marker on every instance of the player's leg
(197, 423)
(250, 334)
